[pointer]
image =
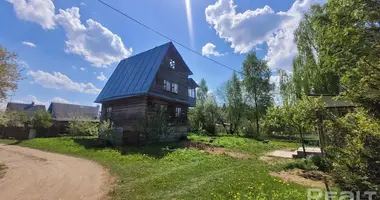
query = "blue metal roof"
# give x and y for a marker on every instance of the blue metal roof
(134, 75)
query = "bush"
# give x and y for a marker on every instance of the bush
(305, 164)
(107, 132)
(248, 129)
(354, 151)
(42, 119)
(321, 163)
(82, 127)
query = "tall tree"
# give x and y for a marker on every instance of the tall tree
(232, 96)
(202, 91)
(256, 76)
(309, 68)
(10, 72)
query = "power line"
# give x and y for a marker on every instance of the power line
(164, 36)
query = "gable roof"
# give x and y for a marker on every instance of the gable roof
(67, 112)
(134, 75)
(29, 109)
(192, 83)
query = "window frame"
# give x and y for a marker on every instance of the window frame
(172, 64)
(178, 112)
(175, 88)
(167, 85)
(191, 92)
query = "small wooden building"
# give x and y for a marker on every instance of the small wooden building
(157, 78)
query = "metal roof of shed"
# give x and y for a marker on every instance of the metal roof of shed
(134, 75)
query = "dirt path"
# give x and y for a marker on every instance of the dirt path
(34, 174)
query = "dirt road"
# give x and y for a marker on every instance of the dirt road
(34, 174)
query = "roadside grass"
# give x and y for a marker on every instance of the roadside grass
(151, 172)
(244, 145)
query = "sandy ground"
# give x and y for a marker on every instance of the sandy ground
(34, 174)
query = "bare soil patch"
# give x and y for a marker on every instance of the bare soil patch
(34, 174)
(215, 150)
(314, 179)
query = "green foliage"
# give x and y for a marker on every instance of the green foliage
(299, 118)
(82, 127)
(4, 118)
(231, 94)
(106, 130)
(354, 151)
(305, 164)
(203, 117)
(17, 119)
(248, 129)
(156, 126)
(42, 119)
(256, 75)
(10, 72)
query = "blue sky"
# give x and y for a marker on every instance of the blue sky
(70, 47)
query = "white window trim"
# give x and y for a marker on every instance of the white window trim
(175, 88)
(167, 85)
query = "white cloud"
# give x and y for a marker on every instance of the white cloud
(59, 81)
(246, 30)
(39, 11)
(83, 4)
(209, 49)
(82, 68)
(95, 43)
(74, 67)
(101, 77)
(28, 44)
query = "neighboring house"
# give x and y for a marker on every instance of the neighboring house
(338, 107)
(62, 113)
(157, 78)
(28, 109)
(20, 131)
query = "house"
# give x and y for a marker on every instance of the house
(28, 109)
(157, 78)
(62, 113)
(16, 129)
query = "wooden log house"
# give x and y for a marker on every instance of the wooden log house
(155, 78)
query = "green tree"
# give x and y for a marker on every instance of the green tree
(354, 151)
(82, 126)
(309, 68)
(256, 76)
(10, 72)
(16, 118)
(42, 119)
(300, 118)
(232, 96)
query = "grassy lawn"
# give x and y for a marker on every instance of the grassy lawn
(152, 173)
(244, 145)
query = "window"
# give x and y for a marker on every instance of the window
(172, 64)
(175, 88)
(192, 92)
(166, 85)
(108, 113)
(178, 112)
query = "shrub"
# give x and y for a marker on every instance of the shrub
(42, 119)
(107, 132)
(305, 164)
(354, 151)
(82, 127)
(248, 129)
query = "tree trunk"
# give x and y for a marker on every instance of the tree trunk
(303, 144)
(257, 113)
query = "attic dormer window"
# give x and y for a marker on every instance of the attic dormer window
(172, 64)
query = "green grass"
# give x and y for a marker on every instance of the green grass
(153, 173)
(245, 145)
